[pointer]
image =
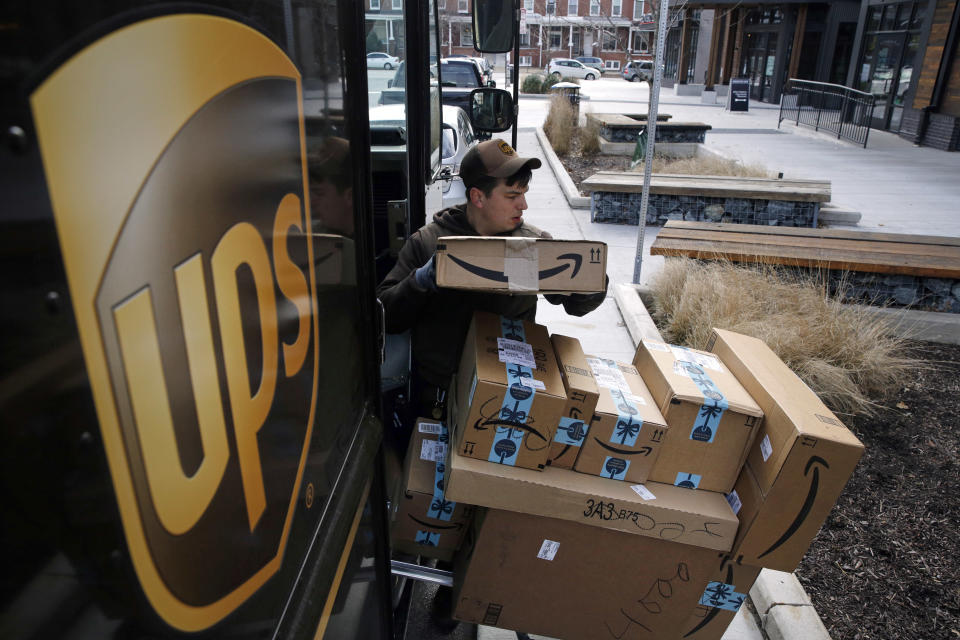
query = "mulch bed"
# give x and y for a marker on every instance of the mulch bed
(582, 167)
(885, 565)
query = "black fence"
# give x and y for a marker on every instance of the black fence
(830, 107)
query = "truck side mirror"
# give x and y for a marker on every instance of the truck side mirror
(491, 110)
(493, 26)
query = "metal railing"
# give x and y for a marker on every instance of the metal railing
(830, 107)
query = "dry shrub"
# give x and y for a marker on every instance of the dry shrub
(559, 125)
(590, 138)
(845, 354)
(708, 165)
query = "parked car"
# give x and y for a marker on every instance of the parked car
(461, 72)
(456, 138)
(486, 71)
(637, 70)
(596, 63)
(388, 125)
(381, 60)
(457, 72)
(569, 68)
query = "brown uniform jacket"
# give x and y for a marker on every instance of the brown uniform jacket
(439, 320)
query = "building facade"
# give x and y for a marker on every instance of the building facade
(902, 52)
(615, 31)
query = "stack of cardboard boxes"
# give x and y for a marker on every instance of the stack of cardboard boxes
(632, 500)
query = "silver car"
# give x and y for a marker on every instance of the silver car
(388, 125)
(569, 68)
(381, 60)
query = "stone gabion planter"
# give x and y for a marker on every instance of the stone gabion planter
(665, 133)
(935, 294)
(624, 208)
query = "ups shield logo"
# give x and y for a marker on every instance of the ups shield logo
(175, 160)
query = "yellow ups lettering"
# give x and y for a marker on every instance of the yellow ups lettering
(292, 282)
(240, 245)
(181, 500)
(178, 500)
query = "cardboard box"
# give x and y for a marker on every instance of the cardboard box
(527, 265)
(424, 522)
(725, 590)
(574, 581)
(712, 418)
(582, 395)
(627, 429)
(662, 511)
(799, 464)
(510, 391)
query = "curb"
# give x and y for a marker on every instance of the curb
(570, 192)
(784, 608)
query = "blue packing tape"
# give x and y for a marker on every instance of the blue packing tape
(707, 421)
(427, 538)
(517, 402)
(615, 468)
(628, 426)
(722, 596)
(440, 508)
(571, 431)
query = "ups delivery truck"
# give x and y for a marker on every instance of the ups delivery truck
(191, 225)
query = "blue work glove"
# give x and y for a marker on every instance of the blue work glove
(426, 276)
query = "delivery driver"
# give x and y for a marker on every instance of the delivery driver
(496, 179)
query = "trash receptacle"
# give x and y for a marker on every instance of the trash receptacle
(570, 90)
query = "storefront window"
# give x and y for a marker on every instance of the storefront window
(919, 11)
(873, 18)
(888, 20)
(903, 17)
(890, 54)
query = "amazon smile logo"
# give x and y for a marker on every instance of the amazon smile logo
(642, 451)
(813, 471)
(571, 260)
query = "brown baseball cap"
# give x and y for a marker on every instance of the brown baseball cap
(494, 158)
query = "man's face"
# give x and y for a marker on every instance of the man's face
(332, 208)
(502, 210)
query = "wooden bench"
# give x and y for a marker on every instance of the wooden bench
(770, 201)
(879, 267)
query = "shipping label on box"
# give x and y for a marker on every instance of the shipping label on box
(521, 265)
(712, 418)
(725, 591)
(568, 580)
(509, 396)
(423, 518)
(582, 395)
(626, 435)
(799, 464)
